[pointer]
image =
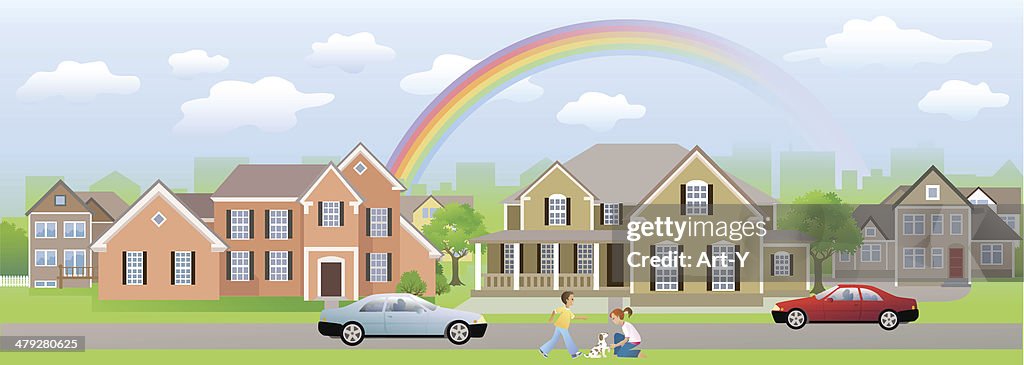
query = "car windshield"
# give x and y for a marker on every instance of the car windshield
(430, 306)
(824, 294)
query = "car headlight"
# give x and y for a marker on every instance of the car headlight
(776, 308)
(481, 320)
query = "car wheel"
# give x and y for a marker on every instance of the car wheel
(352, 334)
(796, 319)
(457, 332)
(888, 320)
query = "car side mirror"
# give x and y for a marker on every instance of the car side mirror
(829, 300)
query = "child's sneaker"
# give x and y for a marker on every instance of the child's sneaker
(542, 353)
(576, 355)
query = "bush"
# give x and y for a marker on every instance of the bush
(411, 283)
(441, 284)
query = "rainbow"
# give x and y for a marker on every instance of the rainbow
(609, 38)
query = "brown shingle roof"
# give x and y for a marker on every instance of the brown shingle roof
(199, 203)
(109, 201)
(1007, 200)
(269, 181)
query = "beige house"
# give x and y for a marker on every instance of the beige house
(934, 233)
(568, 231)
(420, 209)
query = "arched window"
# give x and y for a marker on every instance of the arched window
(557, 210)
(697, 197)
(782, 264)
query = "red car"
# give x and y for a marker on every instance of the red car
(847, 303)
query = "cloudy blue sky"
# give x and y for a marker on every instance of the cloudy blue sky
(88, 87)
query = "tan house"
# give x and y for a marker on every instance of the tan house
(420, 209)
(64, 223)
(934, 233)
(568, 231)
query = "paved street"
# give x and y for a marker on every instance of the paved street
(528, 336)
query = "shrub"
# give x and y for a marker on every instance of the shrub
(441, 284)
(411, 283)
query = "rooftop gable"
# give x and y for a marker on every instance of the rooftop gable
(361, 150)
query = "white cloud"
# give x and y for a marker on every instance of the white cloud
(76, 82)
(448, 67)
(350, 53)
(196, 62)
(269, 104)
(881, 41)
(961, 100)
(599, 111)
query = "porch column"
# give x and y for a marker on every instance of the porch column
(597, 266)
(515, 266)
(554, 281)
(476, 266)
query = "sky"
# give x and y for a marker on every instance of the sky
(90, 87)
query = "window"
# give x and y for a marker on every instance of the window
(869, 295)
(870, 232)
(74, 229)
(240, 261)
(871, 252)
(378, 267)
(508, 258)
(781, 264)
(278, 265)
(374, 306)
(400, 304)
(666, 278)
(1011, 220)
(696, 198)
(547, 258)
(937, 224)
(360, 168)
(584, 258)
(278, 224)
(931, 192)
(938, 258)
(979, 201)
(159, 219)
(913, 224)
(913, 258)
(240, 224)
(956, 224)
(723, 275)
(50, 284)
(46, 229)
(133, 268)
(60, 200)
(429, 212)
(182, 268)
(844, 256)
(992, 254)
(844, 295)
(612, 212)
(46, 257)
(557, 209)
(74, 263)
(379, 222)
(330, 216)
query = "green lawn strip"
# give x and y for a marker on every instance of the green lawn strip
(639, 318)
(988, 302)
(459, 294)
(465, 356)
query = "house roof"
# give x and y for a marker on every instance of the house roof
(409, 203)
(547, 236)
(1007, 200)
(52, 188)
(199, 203)
(109, 201)
(787, 236)
(987, 226)
(269, 181)
(882, 215)
(360, 149)
(941, 176)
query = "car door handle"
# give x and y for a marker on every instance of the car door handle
(390, 316)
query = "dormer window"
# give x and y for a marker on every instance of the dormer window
(60, 200)
(696, 198)
(870, 232)
(557, 207)
(931, 192)
(360, 168)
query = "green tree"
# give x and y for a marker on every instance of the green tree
(411, 283)
(13, 250)
(450, 231)
(829, 221)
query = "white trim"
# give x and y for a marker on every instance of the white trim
(596, 257)
(556, 165)
(64, 213)
(159, 190)
(34, 232)
(675, 174)
(254, 199)
(938, 192)
(36, 251)
(432, 251)
(65, 233)
(515, 266)
(319, 276)
(305, 197)
(305, 271)
(360, 149)
(476, 266)
(558, 266)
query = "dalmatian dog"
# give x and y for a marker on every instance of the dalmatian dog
(601, 350)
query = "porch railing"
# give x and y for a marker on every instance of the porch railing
(538, 281)
(73, 272)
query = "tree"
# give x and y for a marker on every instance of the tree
(450, 231)
(829, 221)
(411, 283)
(13, 249)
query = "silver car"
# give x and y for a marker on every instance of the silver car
(399, 315)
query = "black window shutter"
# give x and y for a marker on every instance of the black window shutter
(290, 223)
(172, 267)
(389, 266)
(266, 224)
(736, 268)
(367, 216)
(320, 214)
(266, 265)
(576, 258)
(502, 266)
(227, 224)
(341, 213)
(367, 265)
(192, 279)
(252, 265)
(568, 211)
(679, 270)
(682, 199)
(712, 258)
(771, 260)
(547, 211)
(790, 264)
(124, 267)
(389, 224)
(540, 248)
(711, 199)
(653, 278)
(145, 268)
(289, 265)
(227, 265)
(600, 214)
(252, 224)
(521, 256)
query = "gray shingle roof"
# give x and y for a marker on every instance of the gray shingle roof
(199, 203)
(109, 201)
(269, 181)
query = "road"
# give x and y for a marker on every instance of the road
(530, 336)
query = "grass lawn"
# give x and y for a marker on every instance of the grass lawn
(458, 294)
(988, 357)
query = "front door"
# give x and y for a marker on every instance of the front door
(956, 263)
(615, 265)
(330, 279)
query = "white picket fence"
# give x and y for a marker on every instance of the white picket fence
(11, 281)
